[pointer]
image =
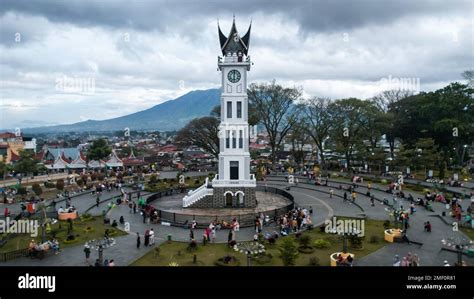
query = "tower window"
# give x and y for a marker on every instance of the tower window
(241, 139)
(229, 109)
(227, 139)
(234, 139)
(239, 109)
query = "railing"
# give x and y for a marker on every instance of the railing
(245, 220)
(252, 182)
(13, 254)
(199, 193)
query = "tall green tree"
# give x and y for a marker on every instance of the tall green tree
(202, 132)
(99, 150)
(353, 120)
(317, 119)
(275, 106)
(27, 163)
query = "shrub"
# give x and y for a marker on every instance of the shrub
(288, 252)
(314, 261)
(386, 224)
(49, 185)
(305, 240)
(192, 246)
(93, 176)
(80, 182)
(227, 260)
(263, 258)
(271, 240)
(322, 243)
(22, 190)
(356, 242)
(374, 239)
(37, 189)
(153, 179)
(60, 184)
(100, 176)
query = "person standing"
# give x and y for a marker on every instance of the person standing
(87, 252)
(372, 200)
(152, 237)
(97, 200)
(331, 193)
(147, 238)
(134, 207)
(138, 241)
(345, 196)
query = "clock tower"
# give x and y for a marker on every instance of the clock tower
(233, 186)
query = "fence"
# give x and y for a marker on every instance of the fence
(179, 219)
(13, 254)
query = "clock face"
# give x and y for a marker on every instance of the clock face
(233, 76)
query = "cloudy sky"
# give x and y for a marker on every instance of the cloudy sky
(67, 61)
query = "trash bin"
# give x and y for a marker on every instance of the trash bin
(169, 238)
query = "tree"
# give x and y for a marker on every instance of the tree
(384, 101)
(353, 119)
(288, 252)
(202, 132)
(298, 137)
(60, 184)
(37, 189)
(318, 123)
(27, 163)
(99, 150)
(275, 106)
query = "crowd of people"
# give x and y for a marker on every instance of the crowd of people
(34, 248)
(410, 260)
(294, 220)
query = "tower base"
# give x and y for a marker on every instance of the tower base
(228, 197)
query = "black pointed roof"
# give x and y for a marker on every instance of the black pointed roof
(229, 43)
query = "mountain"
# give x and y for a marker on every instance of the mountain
(168, 116)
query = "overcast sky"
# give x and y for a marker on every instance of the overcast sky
(124, 56)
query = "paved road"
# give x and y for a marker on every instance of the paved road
(125, 252)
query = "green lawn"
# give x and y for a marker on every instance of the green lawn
(61, 227)
(177, 252)
(468, 232)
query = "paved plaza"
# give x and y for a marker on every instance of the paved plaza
(428, 245)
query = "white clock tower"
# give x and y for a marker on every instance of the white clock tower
(234, 186)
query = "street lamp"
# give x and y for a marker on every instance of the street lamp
(249, 249)
(459, 244)
(100, 245)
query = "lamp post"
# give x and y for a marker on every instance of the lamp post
(249, 249)
(459, 244)
(100, 245)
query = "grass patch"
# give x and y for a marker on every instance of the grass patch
(468, 232)
(208, 255)
(83, 231)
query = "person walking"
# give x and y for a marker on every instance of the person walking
(345, 196)
(97, 201)
(372, 200)
(331, 193)
(87, 252)
(138, 241)
(134, 207)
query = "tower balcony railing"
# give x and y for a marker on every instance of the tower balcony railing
(216, 182)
